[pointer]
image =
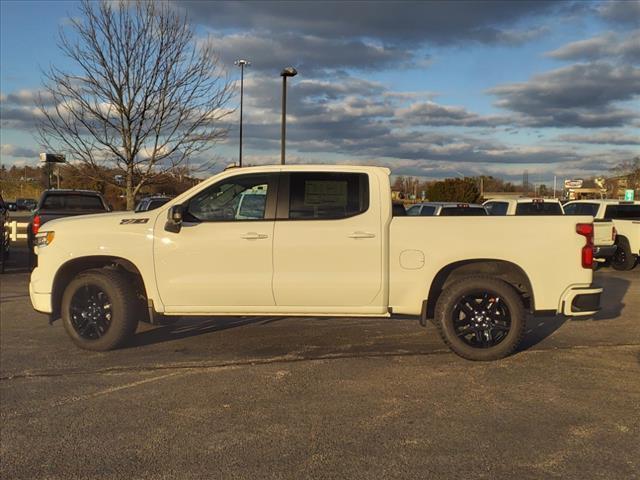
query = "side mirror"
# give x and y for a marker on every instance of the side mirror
(174, 219)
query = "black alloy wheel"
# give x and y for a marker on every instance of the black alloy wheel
(481, 319)
(99, 309)
(623, 259)
(90, 312)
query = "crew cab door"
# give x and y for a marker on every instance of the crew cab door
(327, 251)
(221, 259)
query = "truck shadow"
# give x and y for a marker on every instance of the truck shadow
(612, 303)
(539, 328)
(185, 327)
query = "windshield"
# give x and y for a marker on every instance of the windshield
(252, 205)
(413, 211)
(539, 208)
(581, 209)
(158, 202)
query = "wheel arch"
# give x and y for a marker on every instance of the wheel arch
(504, 270)
(73, 267)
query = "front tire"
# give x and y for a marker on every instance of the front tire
(481, 318)
(99, 310)
(623, 258)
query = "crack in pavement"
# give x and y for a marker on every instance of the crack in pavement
(80, 398)
(291, 358)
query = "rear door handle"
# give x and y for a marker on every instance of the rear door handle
(362, 235)
(254, 236)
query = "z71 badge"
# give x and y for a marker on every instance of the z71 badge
(129, 221)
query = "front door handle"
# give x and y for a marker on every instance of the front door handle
(362, 235)
(254, 236)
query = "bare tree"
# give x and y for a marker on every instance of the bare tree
(630, 169)
(144, 95)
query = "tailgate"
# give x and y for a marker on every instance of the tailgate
(48, 215)
(603, 233)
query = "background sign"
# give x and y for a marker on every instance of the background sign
(573, 184)
(628, 195)
(52, 158)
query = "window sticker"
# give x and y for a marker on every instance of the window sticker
(325, 192)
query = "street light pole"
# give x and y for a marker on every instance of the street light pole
(287, 72)
(241, 63)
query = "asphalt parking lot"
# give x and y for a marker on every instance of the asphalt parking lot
(320, 398)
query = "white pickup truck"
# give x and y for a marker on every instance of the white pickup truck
(322, 242)
(604, 233)
(625, 217)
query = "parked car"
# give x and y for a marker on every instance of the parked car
(325, 243)
(625, 217)
(5, 240)
(446, 209)
(55, 204)
(151, 203)
(26, 203)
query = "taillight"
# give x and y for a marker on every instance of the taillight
(586, 230)
(35, 226)
(614, 233)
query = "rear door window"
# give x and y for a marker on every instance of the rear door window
(539, 208)
(327, 195)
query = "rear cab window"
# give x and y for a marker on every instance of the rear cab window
(327, 195)
(539, 208)
(622, 212)
(72, 201)
(497, 208)
(581, 209)
(454, 211)
(427, 211)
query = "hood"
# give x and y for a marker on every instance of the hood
(104, 220)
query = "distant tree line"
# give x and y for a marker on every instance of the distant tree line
(29, 182)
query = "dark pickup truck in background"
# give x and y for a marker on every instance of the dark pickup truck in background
(4, 234)
(54, 204)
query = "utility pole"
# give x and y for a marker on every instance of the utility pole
(287, 72)
(241, 63)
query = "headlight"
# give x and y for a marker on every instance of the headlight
(44, 238)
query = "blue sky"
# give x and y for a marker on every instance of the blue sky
(426, 88)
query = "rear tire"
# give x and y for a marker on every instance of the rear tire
(480, 318)
(99, 309)
(623, 258)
